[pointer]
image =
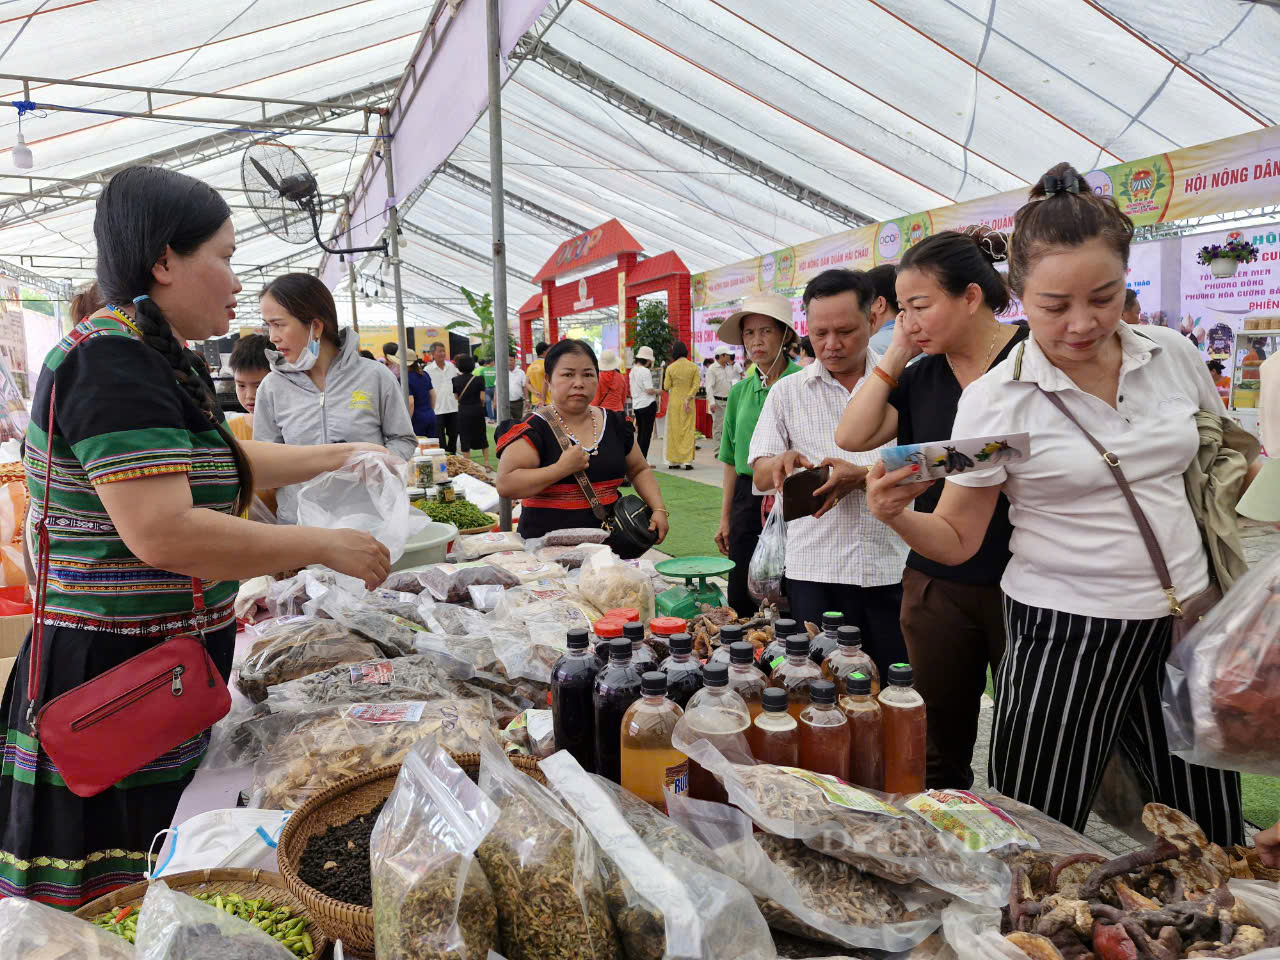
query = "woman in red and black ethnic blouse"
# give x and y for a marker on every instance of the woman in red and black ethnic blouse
(540, 474)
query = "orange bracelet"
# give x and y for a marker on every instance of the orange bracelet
(893, 384)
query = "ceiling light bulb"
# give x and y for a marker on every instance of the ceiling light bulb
(22, 158)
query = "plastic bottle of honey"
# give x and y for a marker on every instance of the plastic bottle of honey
(849, 657)
(573, 680)
(642, 654)
(617, 687)
(730, 634)
(904, 732)
(683, 673)
(650, 764)
(824, 733)
(775, 654)
(718, 715)
(820, 647)
(744, 678)
(775, 735)
(866, 733)
(796, 673)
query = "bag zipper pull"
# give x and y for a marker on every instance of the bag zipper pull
(176, 687)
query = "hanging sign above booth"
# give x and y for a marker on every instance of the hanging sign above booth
(605, 242)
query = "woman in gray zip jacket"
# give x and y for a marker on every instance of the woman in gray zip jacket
(320, 390)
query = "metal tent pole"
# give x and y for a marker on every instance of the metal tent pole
(500, 334)
(351, 269)
(393, 225)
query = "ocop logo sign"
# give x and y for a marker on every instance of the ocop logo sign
(889, 240)
(578, 246)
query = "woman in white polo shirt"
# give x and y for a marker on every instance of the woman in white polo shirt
(1087, 620)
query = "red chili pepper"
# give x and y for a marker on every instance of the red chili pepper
(124, 912)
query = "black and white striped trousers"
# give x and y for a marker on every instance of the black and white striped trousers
(1068, 689)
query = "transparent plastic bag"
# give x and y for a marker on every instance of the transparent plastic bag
(388, 619)
(251, 599)
(857, 826)
(526, 567)
(606, 582)
(769, 560)
(486, 598)
(542, 865)
(571, 558)
(477, 545)
(174, 926)
(807, 893)
(367, 494)
(31, 929)
(569, 537)
(665, 906)
(431, 899)
(451, 582)
(1219, 698)
(293, 647)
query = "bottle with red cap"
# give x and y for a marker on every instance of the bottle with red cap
(625, 614)
(605, 630)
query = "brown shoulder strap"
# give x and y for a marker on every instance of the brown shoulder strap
(584, 484)
(1139, 517)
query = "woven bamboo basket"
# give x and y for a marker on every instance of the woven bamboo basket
(250, 884)
(345, 800)
(485, 529)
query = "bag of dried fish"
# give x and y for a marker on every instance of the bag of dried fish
(665, 891)
(174, 926)
(808, 893)
(293, 647)
(32, 929)
(542, 866)
(315, 749)
(431, 900)
(854, 825)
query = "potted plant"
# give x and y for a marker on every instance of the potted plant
(1224, 259)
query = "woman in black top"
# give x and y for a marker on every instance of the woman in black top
(540, 474)
(950, 292)
(468, 387)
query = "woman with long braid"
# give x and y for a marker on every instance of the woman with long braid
(146, 494)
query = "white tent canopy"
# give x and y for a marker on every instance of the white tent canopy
(721, 129)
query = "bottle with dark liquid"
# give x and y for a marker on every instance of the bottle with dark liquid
(775, 654)
(796, 674)
(641, 653)
(822, 645)
(904, 732)
(617, 687)
(606, 631)
(824, 733)
(683, 673)
(650, 764)
(664, 628)
(718, 715)
(866, 733)
(749, 682)
(573, 680)
(849, 657)
(775, 735)
(730, 634)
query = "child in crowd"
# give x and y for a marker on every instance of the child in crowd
(249, 366)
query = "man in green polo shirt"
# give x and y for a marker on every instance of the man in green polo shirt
(489, 380)
(764, 327)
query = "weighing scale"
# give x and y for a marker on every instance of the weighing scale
(686, 601)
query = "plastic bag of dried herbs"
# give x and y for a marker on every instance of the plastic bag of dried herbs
(293, 647)
(431, 900)
(31, 929)
(665, 904)
(174, 926)
(807, 893)
(854, 825)
(542, 865)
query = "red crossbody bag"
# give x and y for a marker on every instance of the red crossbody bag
(115, 724)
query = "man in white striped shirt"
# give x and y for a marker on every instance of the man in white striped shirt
(841, 558)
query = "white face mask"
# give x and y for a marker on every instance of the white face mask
(239, 837)
(310, 354)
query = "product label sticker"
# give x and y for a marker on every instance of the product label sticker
(845, 794)
(540, 724)
(974, 822)
(379, 673)
(776, 662)
(676, 778)
(386, 712)
(409, 623)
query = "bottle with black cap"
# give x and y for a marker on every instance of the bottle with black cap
(866, 733)
(904, 732)
(822, 645)
(617, 687)
(775, 734)
(650, 764)
(684, 674)
(824, 733)
(749, 682)
(775, 653)
(849, 657)
(641, 653)
(796, 673)
(718, 715)
(730, 634)
(573, 680)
